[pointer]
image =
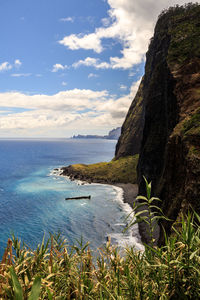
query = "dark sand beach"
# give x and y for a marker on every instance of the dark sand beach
(130, 192)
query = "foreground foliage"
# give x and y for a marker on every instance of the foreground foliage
(169, 272)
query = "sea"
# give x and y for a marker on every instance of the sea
(32, 195)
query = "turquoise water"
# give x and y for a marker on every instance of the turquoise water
(32, 197)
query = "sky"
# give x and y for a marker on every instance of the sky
(71, 66)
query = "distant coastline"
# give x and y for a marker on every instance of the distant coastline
(114, 134)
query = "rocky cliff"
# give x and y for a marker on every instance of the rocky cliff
(131, 132)
(167, 108)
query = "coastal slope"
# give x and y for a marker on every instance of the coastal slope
(122, 170)
(121, 173)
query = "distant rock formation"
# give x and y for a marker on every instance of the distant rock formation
(89, 136)
(112, 135)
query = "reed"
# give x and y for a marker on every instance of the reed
(56, 270)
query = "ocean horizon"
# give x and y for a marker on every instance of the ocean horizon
(32, 196)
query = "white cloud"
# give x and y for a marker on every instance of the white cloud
(117, 109)
(131, 73)
(68, 19)
(5, 111)
(21, 74)
(64, 83)
(5, 66)
(62, 112)
(91, 62)
(123, 87)
(18, 63)
(65, 100)
(90, 41)
(106, 22)
(134, 88)
(58, 67)
(131, 23)
(92, 75)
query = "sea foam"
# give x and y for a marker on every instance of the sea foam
(131, 237)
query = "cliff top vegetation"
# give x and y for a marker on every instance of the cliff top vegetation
(122, 170)
(183, 24)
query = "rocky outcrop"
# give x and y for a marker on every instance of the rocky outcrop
(131, 133)
(163, 122)
(122, 170)
(170, 151)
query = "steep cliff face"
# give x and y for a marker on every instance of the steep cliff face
(167, 133)
(170, 151)
(131, 132)
(179, 186)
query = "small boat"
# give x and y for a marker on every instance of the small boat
(79, 198)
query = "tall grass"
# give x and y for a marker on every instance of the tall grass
(169, 272)
(56, 270)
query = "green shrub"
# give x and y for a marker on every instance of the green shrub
(192, 126)
(73, 272)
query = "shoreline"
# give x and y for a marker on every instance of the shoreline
(130, 192)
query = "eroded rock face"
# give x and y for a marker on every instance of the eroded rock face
(167, 132)
(131, 133)
(170, 151)
(161, 113)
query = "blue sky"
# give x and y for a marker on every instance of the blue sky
(71, 66)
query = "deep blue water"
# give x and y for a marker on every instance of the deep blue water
(32, 199)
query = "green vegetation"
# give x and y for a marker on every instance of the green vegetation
(147, 211)
(194, 151)
(169, 272)
(122, 170)
(18, 291)
(192, 126)
(185, 40)
(184, 30)
(58, 271)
